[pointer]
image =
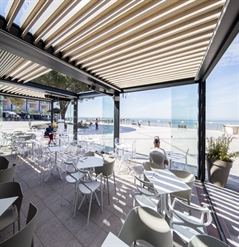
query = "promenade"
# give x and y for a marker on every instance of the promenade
(71, 231)
(172, 139)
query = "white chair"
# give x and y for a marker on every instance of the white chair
(147, 198)
(42, 157)
(178, 156)
(149, 166)
(83, 143)
(187, 178)
(143, 223)
(22, 149)
(107, 171)
(124, 163)
(72, 176)
(133, 149)
(7, 139)
(185, 225)
(88, 187)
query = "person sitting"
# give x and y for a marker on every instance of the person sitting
(49, 133)
(157, 155)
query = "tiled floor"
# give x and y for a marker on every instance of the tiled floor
(56, 225)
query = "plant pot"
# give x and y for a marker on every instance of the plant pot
(218, 171)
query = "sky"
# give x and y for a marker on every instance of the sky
(222, 95)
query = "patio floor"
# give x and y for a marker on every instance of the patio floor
(56, 225)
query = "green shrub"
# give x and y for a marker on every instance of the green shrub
(218, 148)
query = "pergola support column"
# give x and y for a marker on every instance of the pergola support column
(75, 119)
(116, 115)
(201, 129)
(52, 102)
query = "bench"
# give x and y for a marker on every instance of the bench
(182, 126)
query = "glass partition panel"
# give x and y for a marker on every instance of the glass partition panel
(95, 118)
(171, 114)
(69, 117)
(1, 117)
(184, 124)
(107, 123)
(144, 115)
(222, 102)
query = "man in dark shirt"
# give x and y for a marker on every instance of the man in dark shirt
(48, 133)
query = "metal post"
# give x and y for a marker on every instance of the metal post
(116, 115)
(201, 129)
(75, 119)
(52, 111)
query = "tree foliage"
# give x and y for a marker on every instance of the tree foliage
(44, 111)
(16, 101)
(61, 81)
(17, 109)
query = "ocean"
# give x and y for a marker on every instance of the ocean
(174, 123)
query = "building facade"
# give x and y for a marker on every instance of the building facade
(37, 110)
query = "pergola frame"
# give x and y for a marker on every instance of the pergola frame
(224, 34)
(22, 44)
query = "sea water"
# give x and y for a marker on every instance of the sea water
(173, 123)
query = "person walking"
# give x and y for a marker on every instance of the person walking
(96, 124)
(139, 123)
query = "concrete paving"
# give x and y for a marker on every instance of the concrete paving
(56, 225)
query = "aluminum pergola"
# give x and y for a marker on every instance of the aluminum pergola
(115, 46)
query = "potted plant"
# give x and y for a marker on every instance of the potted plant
(219, 159)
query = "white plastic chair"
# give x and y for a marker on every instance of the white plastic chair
(107, 171)
(133, 155)
(124, 163)
(148, 198)
(149, 166)
(87, 187)
(22, 149)
(143, 223)
(179, 156)
(187, 178)
(185, 225)
(72, 176)
(42, 157)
